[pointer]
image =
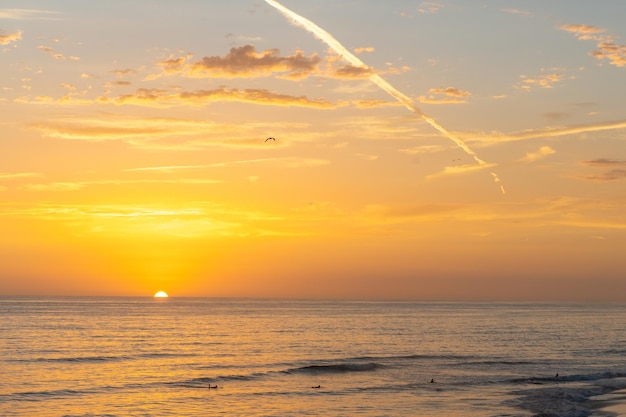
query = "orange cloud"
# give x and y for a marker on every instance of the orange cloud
(7, 38)
(364, 49)
(543, 81)
(354, 72)
(450, 91)
(245, 61)
(583, 32)
(607, 49)
(545, 133)
(55, 55)
(448, 95)
(543, 152)
(164, 98)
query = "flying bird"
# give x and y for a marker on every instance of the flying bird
(270, 139)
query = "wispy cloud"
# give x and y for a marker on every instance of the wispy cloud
(448, 95)
(153, 97)
(363, 49)
(7, 38)
(607, 48)
(541, 153)
(429, 7)
(516, 11)
(605, 162)
(167, 133)
(28, 14)
(354, 72)
(199, 220)
(461, 170)
(616, 173)
(79, 185)
(494, 138)
(7, 176)
(542, 80)
(285, 162)
(49, 50)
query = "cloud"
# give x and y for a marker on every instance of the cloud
(583, 32)
(553, 115)
(604, 162)
(611, 175)
(440, 100)
(543, 81)
(167, 133)
(548, 132)
(363, 49)
(285, 162)
(49, 50)
(516, 11)
(165, 98)
(448, 95)
(543, 152)
(400, 212)
(7, 38)
(243, 62)
(6, 176)
(429, 7)
(79, 185)
(124, 72)
(424, 149)
(461, 170)
(27, 14)
(607, 49)
(131, 221)
(373, 103)
(449, 91)
(353, 72)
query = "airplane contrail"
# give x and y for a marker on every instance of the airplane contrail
(336, 46)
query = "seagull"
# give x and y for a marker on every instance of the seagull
(270, 139)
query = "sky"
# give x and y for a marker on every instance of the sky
(423, 150)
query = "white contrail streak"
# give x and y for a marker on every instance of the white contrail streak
(336, 46)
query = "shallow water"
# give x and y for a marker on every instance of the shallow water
(158, 357)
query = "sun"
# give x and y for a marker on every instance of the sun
(161, 294)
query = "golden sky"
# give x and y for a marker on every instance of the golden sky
(452, 150)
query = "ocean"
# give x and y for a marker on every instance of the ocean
(119, 357)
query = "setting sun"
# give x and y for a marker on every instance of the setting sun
(161, 294)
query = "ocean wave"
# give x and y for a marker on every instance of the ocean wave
(77, 359)
(570, 378)
(100, 358)
(43, 395)
(336, 368)
(564, 401)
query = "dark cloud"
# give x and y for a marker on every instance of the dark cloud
(245, 61)
(604, 162)
(351, 71)
(611, 175)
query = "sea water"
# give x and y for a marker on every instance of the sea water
(120, 357)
